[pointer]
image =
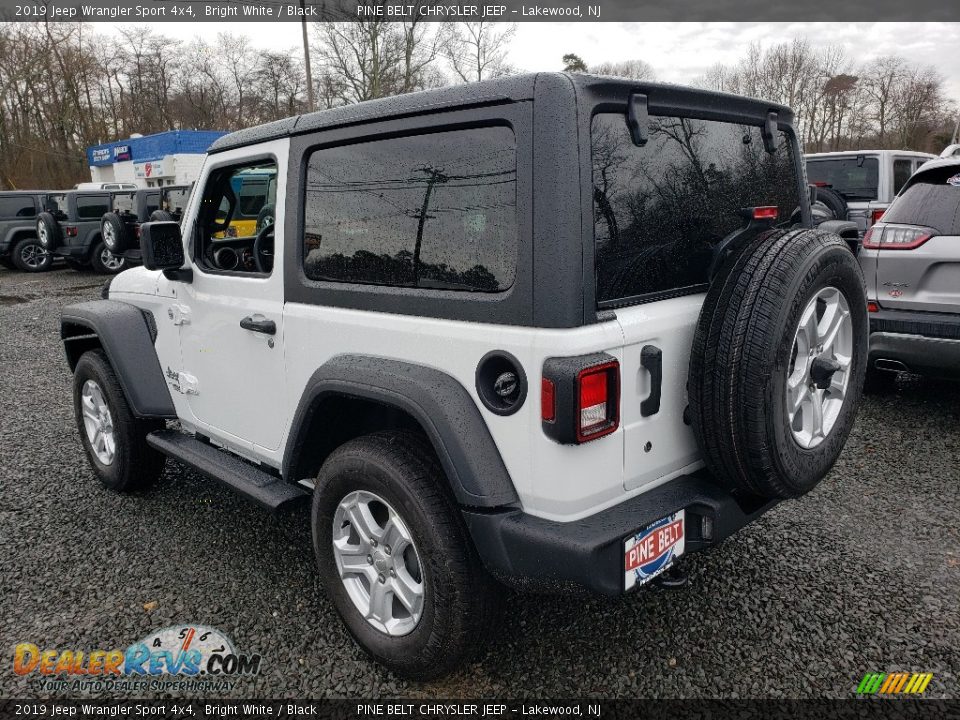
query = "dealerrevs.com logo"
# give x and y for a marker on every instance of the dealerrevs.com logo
(187, 657)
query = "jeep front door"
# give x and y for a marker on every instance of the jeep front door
(231, 319)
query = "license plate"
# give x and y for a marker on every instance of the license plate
(649, 552)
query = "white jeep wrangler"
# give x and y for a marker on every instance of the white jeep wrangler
(550, 330)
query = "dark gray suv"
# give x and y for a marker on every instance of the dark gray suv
(911, 261)
(19, 247)
(69, 227)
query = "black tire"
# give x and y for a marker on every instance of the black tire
(100, 263)
(266, 216)
(49, 232)
(135, 464)
(29, 256)
(114, 233)
(834, 201)
(742, 356)
(460, 602)
(160, 216)
(879, 382)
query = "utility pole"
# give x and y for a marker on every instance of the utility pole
(306, 57)
(436, 176)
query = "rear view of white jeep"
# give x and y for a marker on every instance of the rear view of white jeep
(551, 331)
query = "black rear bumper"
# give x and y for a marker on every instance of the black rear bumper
(529, 551)
(920, 342)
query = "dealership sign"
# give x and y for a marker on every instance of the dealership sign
(100, 155)
(121, 152)
(151, 169)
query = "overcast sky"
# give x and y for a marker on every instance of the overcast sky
(678, 52)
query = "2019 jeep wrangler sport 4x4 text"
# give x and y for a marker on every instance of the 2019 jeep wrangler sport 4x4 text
(549, 330)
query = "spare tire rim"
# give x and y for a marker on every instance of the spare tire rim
(43, 235)
(98, 422)
(33, 256)
(378, 563)
(109, 237)
(111, 261)
(819, 370)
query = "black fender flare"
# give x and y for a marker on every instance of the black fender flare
(126, 333)
(438, 402)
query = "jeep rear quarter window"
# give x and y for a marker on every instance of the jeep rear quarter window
(92, 207)
(17, 206)
(660, 209)
(856, 178)
(931, 200)
(123, 203)
(432, 211)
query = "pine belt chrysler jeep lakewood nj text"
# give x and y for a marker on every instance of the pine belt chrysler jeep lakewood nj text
(548, 330)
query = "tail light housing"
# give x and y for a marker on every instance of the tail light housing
(70, 230)
(580, 398)
(877, 215)
(896, 237)
(872, 306)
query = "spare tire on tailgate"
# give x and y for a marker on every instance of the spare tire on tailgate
(778, 362)
(836, 202)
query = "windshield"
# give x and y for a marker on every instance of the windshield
(855, 177)
(931, 200)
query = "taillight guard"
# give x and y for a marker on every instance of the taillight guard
(580, 398)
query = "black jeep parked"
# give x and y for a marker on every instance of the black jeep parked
(69, 227)
(120, 227)
(19, 247)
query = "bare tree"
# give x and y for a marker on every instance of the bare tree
(478, 50)
(633, 69)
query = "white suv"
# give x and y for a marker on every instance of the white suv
(547, 330)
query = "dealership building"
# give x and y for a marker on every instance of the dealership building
(168, 158)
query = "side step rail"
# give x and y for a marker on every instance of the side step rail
(266, 490)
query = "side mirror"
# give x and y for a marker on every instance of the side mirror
(161, 245)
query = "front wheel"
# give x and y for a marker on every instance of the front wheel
(395, 557)
(105, 262)
(115, 441)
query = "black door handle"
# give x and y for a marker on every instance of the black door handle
(651, 357)
(267, 327)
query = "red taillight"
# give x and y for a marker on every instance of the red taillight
(136, 231)
(821, 183)
(598, 390)
(877, 215)
(896, 237)
(70, 230)
(872, 306)
(548, 402)
(767, 212)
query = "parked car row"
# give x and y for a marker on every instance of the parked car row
(97, 229)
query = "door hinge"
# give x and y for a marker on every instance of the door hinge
(180, 314)
(183, 383)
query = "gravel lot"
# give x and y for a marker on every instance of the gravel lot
(861, 575)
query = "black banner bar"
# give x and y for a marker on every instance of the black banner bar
(127, 11)
(492, 709)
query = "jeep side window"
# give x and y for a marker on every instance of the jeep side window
(901, 173)
(92, 207)
(152, 203)
(434, 211)
(17, 206)
(226, 232)
(660, 209)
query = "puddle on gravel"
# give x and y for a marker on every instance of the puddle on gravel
(13, 300)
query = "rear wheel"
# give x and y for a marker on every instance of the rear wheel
(114, 440)
(778, 361)
(396, 558)
(29, 256)
(105, 262)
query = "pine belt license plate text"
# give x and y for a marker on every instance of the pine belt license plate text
(649, 552)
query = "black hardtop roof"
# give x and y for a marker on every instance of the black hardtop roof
(513, 88)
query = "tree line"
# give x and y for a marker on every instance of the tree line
(64, 87)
